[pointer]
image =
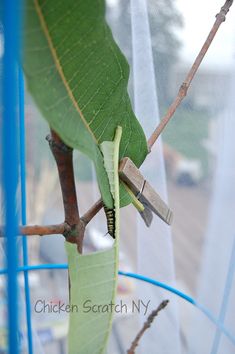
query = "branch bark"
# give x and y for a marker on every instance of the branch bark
(41, 230)
(64, 160)
(146, 325)
(220, 18)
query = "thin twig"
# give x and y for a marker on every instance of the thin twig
(146, 325)
(220, 18)
(91, 213)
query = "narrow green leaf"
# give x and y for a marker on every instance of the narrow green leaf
(78, 78)
(93, 277)
(93, 282)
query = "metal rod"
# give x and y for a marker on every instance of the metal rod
(23, 208)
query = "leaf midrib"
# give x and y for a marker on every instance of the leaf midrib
(59, 67)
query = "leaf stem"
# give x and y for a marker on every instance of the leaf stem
(137, 204)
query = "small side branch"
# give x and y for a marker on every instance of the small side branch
(220, 18)
(41, 230)
(59, 229)
(146, 325)
(91, 213)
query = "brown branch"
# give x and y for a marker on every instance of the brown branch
(40, 230)
(64, 159)
(146, 325)
(57, 229)
(220, 18)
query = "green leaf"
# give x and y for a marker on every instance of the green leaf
(93, 282)
(78, 78)
(93, 277)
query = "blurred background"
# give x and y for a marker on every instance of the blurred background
(196, 178)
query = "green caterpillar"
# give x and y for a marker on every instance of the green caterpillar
(110, 151)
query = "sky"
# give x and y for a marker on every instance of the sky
(198, 16)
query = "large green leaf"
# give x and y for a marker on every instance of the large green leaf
(93, 277)
(78, 78)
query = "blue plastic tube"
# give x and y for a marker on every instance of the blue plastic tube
(10, 160)
(154, 282)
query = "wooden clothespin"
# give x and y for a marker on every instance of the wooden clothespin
(152, 202)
